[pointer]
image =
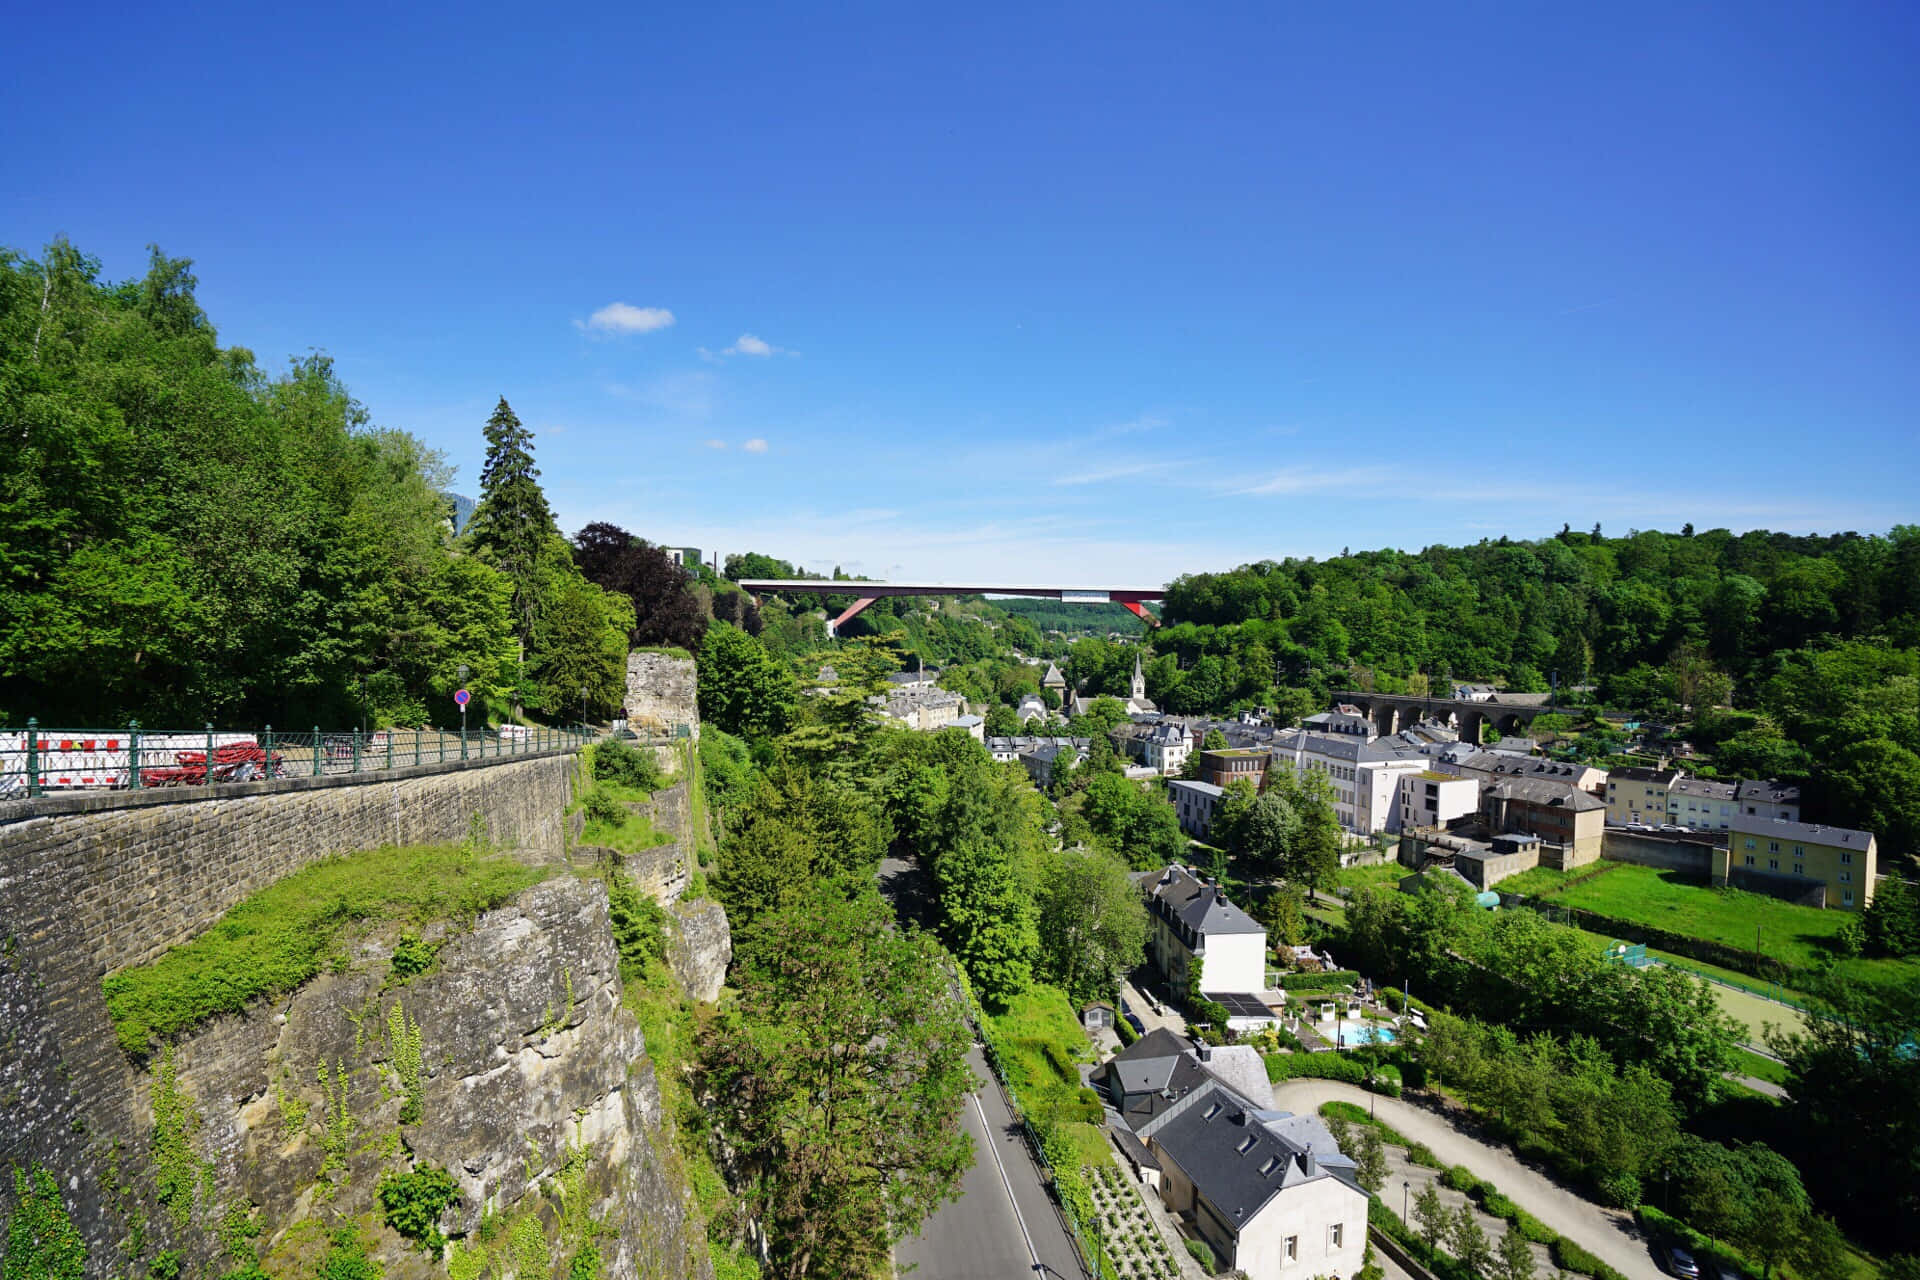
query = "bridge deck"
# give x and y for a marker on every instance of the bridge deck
(843, 587)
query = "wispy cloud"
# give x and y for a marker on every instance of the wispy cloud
(687, 395)
(1119, 471)
(716, 444)
(755, 445)
(1308, 479)
(623, 318)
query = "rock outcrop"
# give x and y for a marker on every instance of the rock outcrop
(511, 1063)
(699, 947)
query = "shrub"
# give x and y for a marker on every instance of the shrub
(619, 762)
(601, 807)
(346, 1258)
(1124, 1029)
(1202, 1254)
(1497, 1204)
(412, 1204)
(1421, 1154)
(1569, 1256)
(412, 957)
(639, 926)
(1622, 1189)
(1460, 1178)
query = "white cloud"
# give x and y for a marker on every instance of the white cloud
(746, 345)
(622, 317)
(716, 444)
(755, 445)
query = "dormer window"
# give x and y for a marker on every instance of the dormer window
(1267, 1168)
(1213, 1109)
(1246, 1144)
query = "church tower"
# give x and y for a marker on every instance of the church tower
(1139, 680)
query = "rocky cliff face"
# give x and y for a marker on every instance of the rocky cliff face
(511, 1064)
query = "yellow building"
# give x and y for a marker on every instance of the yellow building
(1639, 795)
(1833, 864)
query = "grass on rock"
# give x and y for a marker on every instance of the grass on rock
(284, 935)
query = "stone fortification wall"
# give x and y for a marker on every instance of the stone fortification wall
(107, 881)
(661, 691)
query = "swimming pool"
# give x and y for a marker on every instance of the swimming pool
(1346, 1033)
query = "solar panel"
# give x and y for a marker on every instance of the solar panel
(1240, 1004)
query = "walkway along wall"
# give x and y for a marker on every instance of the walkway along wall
(91, 884)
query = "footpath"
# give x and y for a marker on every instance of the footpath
(1608, 1234)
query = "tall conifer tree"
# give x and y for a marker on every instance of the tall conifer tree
(512, 526)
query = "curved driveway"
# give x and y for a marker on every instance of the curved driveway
(1608, 1234)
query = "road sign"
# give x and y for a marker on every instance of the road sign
(460, 696)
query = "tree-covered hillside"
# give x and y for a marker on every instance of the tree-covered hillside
(185, 537)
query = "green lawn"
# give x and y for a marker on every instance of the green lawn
(1752, 1064)
(1668, 900)
(1538, 882)
(1390, 873)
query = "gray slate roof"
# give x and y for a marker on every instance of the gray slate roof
(1805, 832)
(1201, 907)
(1559, 795)
(1235, 1160)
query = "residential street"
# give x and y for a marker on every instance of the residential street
(1608, 1234)
(1003, 1219)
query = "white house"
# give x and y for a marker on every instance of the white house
(1271, 1192)
(1031, 708)
(1192, 918)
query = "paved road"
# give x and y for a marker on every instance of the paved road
(1003, 1220)
(1609, 1234)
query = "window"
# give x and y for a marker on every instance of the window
(1799, 868)
(1292, 1248)
(1846, 876)
(1750, 843)
(1773, 864)
(1335, 1234)
(1846, 856)
(1799, 851)
(1773, 846)
(1847, 898)
(1749, 859)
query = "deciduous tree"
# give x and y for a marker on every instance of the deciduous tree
(838, 1079)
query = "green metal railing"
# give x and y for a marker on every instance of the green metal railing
(37, 761)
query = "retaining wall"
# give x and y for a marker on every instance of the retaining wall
(94, 883)
(1691, 856)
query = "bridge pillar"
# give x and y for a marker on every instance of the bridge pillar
(1470, 722)
(1382, 715)
(853, 611)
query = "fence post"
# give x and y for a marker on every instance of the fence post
(389, 748)
(133, 754)
(33, 757)
(316, 751)
(208, 780)
(266, 753)
(416, 746)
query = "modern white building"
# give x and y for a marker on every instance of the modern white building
(1365, 776)
(1430, 798)
(1193, 919)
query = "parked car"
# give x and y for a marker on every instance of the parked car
(1721, 1269)
(1676, 1260)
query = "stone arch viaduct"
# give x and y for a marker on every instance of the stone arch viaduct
(1510, 713)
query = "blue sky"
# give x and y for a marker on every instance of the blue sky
(1094, 294)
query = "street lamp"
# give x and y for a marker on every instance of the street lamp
(1406, 1195)
(462, 676)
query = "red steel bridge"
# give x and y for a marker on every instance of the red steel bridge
(867, 592)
